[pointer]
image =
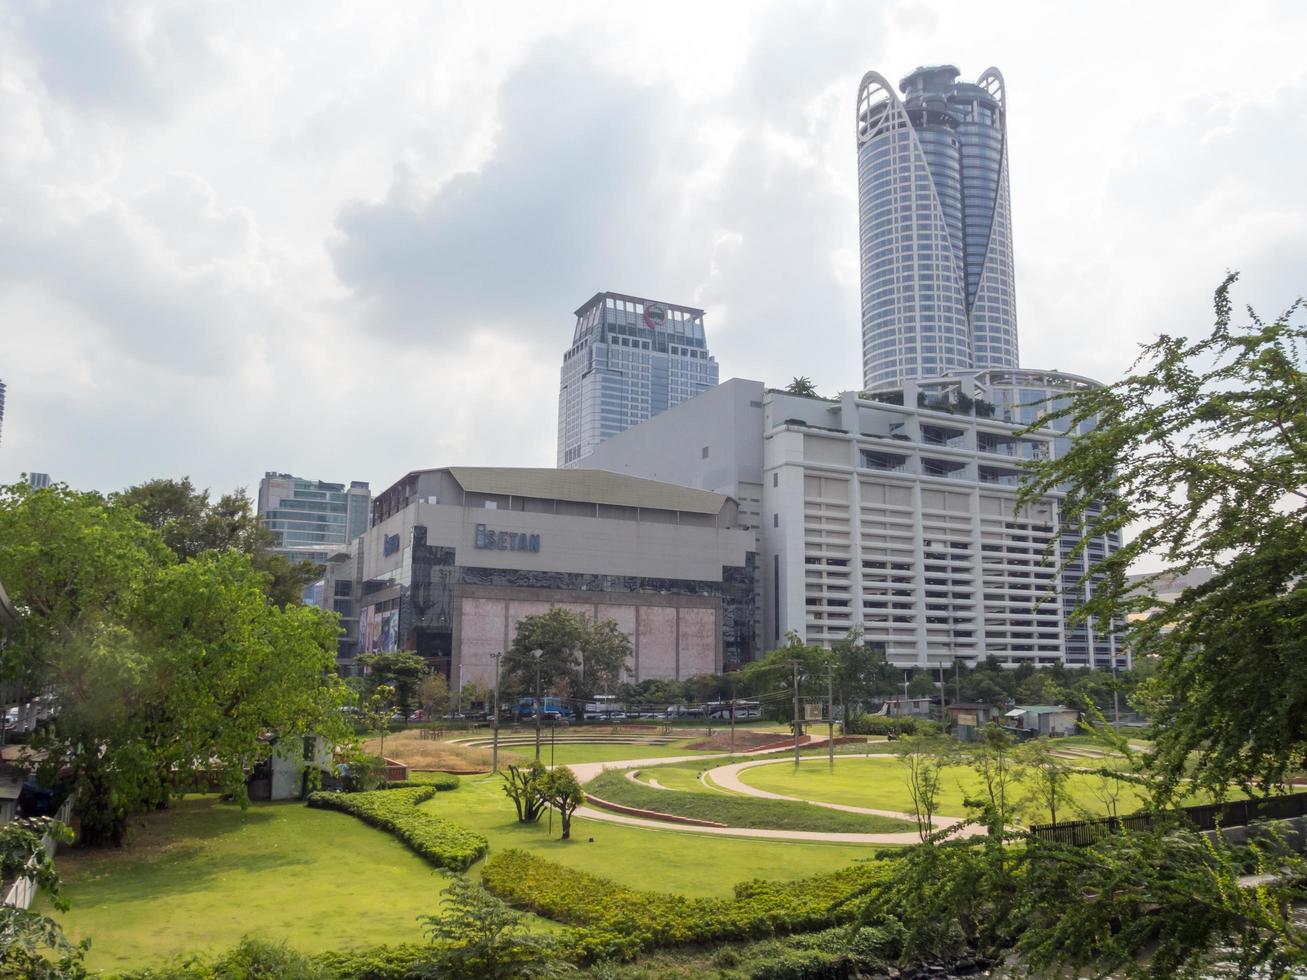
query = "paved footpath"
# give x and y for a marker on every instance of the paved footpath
(586, 771)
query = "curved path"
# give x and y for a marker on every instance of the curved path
(586, 771)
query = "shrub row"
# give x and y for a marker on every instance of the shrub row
(441, 782)
(648, 919)
(443, 843)
(889, 724)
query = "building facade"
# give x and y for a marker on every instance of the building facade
(895, 515)
(2, 409)
(456, 557)
(630, 359)
(38, 481)
(935, 226)
(311, 519)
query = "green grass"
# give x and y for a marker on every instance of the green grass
(882, 784)
(740, 811)
(684, 778)
(566, 755)
(200, 876)
(686, 863)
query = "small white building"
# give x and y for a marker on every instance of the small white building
(1052, 721)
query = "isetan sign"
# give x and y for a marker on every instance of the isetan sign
(506, 540)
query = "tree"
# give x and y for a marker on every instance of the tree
(433, 695)
(925, 775)
(1046, 778)
(191, 524)
(480, 937)
(775, 670)
(802, 386)
(473, 693)
(376, 713)
(1201, 451)
(1040, 688)
(1000, 772)
(399, 670)
(862, 673)
(560, 790)
(922, 685)
(522, 786)
(163, 673)
(578, 654)
(32, 945)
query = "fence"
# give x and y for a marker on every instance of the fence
(21, 892)
(1207, 816)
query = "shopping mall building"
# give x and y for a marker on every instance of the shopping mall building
(455, 557)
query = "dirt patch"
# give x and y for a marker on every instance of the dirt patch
(744, 741)
(426, 753)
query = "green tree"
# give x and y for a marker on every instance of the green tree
(802, 386)
(433, 695)
(480, 937)
(522, 786)
(32, 944)
(154, 665)
(560, 790)
(922, 685)
(1201, 452)
(578, 655)
(924, 771)
(1000, 772)
(1046, 778)
(399, 670)
(191, 524)
(862, 673)
(774, 671)
(1040, 688)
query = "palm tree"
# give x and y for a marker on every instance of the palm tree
(802, 386)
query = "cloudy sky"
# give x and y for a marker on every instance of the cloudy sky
(345, 239)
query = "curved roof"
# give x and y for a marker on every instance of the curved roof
(587, 486)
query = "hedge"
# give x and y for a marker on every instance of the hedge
(442, 782)
(648, 919)
(890, 724)
(443, 843)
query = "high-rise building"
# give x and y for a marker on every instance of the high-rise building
(2, 407)
(935, 227)
(310, 519)
(630, 359)
(38, 481)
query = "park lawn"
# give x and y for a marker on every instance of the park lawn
(681, 862)
(684, 778)
(199, 876)
(566, 755)
(883, 784)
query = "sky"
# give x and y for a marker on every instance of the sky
(345, 240)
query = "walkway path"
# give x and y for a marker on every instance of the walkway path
(586, 771)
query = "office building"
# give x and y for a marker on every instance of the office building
(630, 359)
(935, 227)
(893, 514)
(38, 481)
(311, 519)
(455, 557)
(2, 409)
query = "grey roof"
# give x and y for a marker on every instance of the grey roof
(587, 486)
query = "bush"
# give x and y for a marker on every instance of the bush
(443, 843)
(441, 782)
(648, 919)
(889, 725)
(248, 958)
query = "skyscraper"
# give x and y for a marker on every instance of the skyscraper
(935, 227)
(310, 519)
(2, 407)
(630, 359)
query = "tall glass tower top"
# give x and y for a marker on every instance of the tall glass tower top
(630, 359)
(935, 226)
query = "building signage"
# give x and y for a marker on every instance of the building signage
(506, 540)
(969, 720)
(389, 544)
(655, 316)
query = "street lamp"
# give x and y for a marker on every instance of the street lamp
(536, 655)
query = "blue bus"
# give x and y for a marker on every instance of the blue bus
(551, 709)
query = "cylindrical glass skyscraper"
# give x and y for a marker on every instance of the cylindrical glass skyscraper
(935, 226)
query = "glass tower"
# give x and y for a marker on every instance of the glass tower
(935, 227)
(310, 519)
(630, 359)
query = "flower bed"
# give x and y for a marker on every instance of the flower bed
(443, 843)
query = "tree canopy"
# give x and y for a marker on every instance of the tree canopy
(1201, 452)
(164, 674)
(579, 656)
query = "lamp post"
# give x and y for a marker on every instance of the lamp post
(536, 655)
(795, 665)
(830, 715)
(494, 718)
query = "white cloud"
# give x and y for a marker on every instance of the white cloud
(346, 241)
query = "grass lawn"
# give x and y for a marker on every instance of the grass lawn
(654, 860)
(882, 784)
(740, 811)
(684, 778)
(200, 876)
(568, 754)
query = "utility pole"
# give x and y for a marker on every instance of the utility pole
(494, 718)
(957, 681)
(794, 664)
(732, 717)
(830, 714)
(537, 654)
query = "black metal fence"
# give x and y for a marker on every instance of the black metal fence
(1208, 816)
